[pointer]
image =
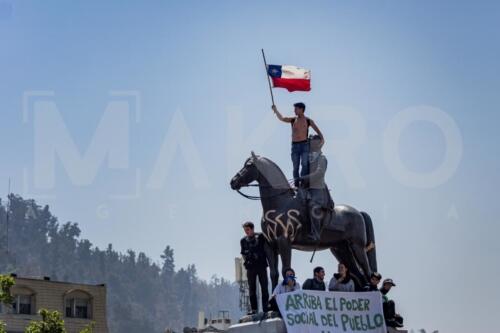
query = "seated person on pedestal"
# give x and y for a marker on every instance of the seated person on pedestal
(374, 281)
(392, 319)
(288, 285)
(317, 282)
(341, 281)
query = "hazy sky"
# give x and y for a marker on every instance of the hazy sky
(101, 94)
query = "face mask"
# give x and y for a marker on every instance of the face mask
(288, 278)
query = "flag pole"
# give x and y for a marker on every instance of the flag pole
(267, 74)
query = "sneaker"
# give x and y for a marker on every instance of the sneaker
(393, 323)
(399, 325)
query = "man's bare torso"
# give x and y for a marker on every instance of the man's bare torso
(300, 129)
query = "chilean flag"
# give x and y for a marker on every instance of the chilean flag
(292, 78)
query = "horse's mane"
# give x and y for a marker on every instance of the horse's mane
(273, 174)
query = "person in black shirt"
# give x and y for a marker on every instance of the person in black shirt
(317, 282)
(255, 261)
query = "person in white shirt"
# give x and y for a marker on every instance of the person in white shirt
(289, 283)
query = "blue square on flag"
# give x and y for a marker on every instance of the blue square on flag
(274, 70)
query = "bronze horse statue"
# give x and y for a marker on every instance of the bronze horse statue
(347, 232)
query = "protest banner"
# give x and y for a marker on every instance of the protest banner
(308, 311)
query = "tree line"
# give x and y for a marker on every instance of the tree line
(143, 295)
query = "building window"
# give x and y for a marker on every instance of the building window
(23, 301)
(23, 304)
(78, 304)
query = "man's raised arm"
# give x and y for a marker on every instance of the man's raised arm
(316, 129)
(280, 117)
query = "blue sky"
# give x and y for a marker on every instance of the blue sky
(197, 68)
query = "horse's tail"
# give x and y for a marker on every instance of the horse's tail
(370, 239)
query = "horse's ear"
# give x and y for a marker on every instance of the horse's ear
(253, 154)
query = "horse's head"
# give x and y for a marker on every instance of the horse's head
(247, 174)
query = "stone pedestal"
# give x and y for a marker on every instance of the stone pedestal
(274, 325)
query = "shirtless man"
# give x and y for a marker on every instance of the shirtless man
(300, 145)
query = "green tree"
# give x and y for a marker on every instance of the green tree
(51, 323)
(89, 328)
(6, 282)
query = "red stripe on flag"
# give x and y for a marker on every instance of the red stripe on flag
(292, 84)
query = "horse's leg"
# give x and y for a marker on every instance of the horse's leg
(371, 250)
(285, 251)
(272, 259)
(358, 249)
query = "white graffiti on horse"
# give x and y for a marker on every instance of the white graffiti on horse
(289, 229)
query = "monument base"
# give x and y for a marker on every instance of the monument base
(273, 325)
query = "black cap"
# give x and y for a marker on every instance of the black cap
(389, 281)
(376, 275)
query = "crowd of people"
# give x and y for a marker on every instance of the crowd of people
(253, 252)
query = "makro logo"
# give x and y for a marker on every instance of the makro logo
(109, 146)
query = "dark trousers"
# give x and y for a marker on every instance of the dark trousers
(390, 314)
(252, 275)
(300, 158)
